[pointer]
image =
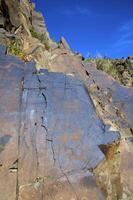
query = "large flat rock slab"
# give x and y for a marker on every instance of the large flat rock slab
(120, 96)
(10, 98)
(49, 135)
(115, 103)
(60, 138)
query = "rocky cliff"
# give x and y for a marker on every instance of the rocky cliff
(66, 132)
(24, 31)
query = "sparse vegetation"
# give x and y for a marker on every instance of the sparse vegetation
(15, 48)
(89, 59)
(42, 37)
(108, 66)
(120, 69)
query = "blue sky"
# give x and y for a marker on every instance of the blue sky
(91, 26)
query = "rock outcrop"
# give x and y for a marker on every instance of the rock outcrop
(24, 31)
(113, 103)
(48, 126)
(67, 132)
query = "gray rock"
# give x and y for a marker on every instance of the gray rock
(60, 133)
(2, 50)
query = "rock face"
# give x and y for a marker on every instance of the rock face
(24, 30)
(38, 22)
(120, 69)
(65, 133)
(48, 126)
(113, 103)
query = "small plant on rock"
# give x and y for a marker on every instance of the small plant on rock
(15, 48)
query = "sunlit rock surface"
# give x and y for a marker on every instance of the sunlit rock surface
(113, 103)
(49, 135)
(66, 133)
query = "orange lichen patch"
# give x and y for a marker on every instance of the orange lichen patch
(74, 137)
(65, 138)
(109, 150)
(72, 105)
(108, 173)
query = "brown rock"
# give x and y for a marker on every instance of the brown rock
(64, 44)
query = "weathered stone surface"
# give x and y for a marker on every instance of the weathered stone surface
(12, 10)
(2, 50)
(59, 133)
(64, 61)
(22, 26)
(120, 97)
(113, 103)
(69, 64)
(5, 36)
(48, 127)
(10, 95)
(53, 129)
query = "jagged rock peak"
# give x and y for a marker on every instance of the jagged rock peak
(64, 44)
